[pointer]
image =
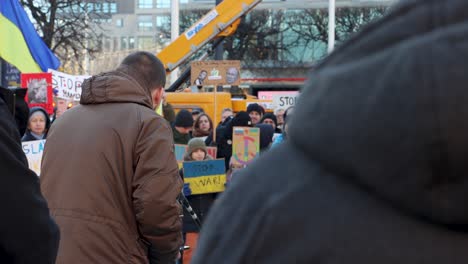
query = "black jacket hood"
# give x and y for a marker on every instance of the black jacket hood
(389, 110)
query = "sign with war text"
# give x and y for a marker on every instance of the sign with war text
(67, 86)
(245, 145)
(206, 176)
(34, 151)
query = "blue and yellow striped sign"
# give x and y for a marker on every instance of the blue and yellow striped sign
(206, 176)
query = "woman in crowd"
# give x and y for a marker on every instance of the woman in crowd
(200, 203)
(202, 127)
(38, 125)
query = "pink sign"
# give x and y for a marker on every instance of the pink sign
(268, 95)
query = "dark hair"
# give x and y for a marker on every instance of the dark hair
(149, 67)
(196, 125)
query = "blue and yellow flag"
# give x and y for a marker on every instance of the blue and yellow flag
(20, 44)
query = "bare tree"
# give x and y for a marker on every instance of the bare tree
(312, 24)
(68, 27)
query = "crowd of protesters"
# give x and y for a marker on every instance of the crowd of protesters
(368, 167)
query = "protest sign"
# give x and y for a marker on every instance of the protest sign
(285, 101)
(268, 95)
(34, 151)
(39, 90)
(245, 145)
(67, 86)
(206, 176)
(215, 72)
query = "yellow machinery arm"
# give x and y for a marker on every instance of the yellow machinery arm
(221, 21)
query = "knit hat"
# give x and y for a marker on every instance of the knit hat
(270, 116)
(194, 144)
(183, 119)
(266, 135)
(242, 119)
(255, 107)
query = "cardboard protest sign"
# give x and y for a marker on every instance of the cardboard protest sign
(34, 151)
(285, 101)
(68, 86)
(39, 90)
(180, 151)
(215, 72)
(206, 176)
(245, 145)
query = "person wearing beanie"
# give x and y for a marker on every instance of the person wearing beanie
(255, 112)
(271, 119)
(201, 203)
(266, 136)
(38, 125)
(182, 127)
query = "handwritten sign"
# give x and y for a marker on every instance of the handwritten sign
(180, 151)
(206, 176)
(245, 145)
(34, 151)
(67, 86)
(285, 100)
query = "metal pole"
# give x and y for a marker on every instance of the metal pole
(219, 51)
(174, 32)
(331, 25)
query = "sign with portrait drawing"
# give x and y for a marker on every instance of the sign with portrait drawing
(225, 72)
(39, 90)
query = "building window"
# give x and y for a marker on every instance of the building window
(145, 42)
(113, 8)
(145, 23)
(119, 22)
(163, 4)
(163, 21)
(145, 3)
(123, 43)
(131, 42)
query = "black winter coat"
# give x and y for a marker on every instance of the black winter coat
(201, 204)
(27, 232)
(376, 166)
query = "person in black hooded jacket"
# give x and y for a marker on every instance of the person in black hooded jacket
(38, 125)
(27, 232)
(383, 178)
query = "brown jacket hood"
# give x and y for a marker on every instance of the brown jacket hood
(120, 86)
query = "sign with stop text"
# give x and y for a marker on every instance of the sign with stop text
(285, 101)
(34, 151)
(67, 86)
(245, 145)
(206, 176)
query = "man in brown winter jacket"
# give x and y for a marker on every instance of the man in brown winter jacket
(109, 172)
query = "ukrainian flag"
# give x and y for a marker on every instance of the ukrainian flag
(20, 44)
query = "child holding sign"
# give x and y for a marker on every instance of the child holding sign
(200, 203)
